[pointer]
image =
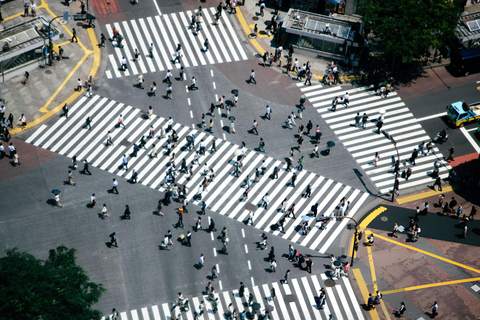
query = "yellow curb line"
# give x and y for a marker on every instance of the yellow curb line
(364, 290)
(431, 285)
(423, 195)
(252, 26)
(74, 96)
(372, 268)
(45, 107)
(375, 213)
(428, 253)
(247, 31)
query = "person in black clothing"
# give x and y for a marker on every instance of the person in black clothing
(85, 167)
(126, 214)
(472, 213)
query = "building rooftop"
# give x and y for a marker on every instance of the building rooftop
(25, 36)
(468, 28)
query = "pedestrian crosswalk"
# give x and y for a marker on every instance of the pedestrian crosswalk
(292, 301)
(166, 32)
(224, 194)
(398, 121)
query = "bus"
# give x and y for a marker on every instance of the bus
(465, 62)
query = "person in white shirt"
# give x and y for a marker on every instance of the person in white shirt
(123, 64)
(12, 150)
(2, 151)
(266, 201)
(167, 77)
(120, 122)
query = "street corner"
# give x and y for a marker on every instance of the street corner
(270, 85)
(30, 157)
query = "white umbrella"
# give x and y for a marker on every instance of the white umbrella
(401, 228)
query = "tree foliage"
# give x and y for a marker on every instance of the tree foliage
(408, 28)
(53, 289)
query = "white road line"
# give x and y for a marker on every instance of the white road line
(353, 298)
(233, 35)
(330, 298)
(36, 133)
(212, 43)
(470, 139)
(270, 301)
(167, 56)
(310, 298)
(145, 314)
(124, 316)
(156, 312)
(433, 116)
(214, 250)
(156, 6)
(171, 28)
(243, 233)
(127, 50)
(191, 112)
(156, 51)
(134, 314)
(249, 265)
(281, 302)
(223, 32)
(220, 284)
(143, 47)
(316, 285)
(246, 248)
(134, 46)
(216, 41)
(185, 44)
(191, 37)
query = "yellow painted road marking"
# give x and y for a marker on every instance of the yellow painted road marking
(431, 285)
(423, 195)
(247, 31)
(364, 290)
(428, 253)
(372, 268)
(93, 71)
(375, 213)
(70, 75)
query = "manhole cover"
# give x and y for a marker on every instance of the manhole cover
(235, 91)
(48, 71)
(329, 283)
(250, 206)
(254, 18)
(251, 36)
(384, 219)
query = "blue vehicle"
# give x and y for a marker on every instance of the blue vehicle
(460, 113)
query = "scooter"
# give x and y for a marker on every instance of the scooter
(440, 138)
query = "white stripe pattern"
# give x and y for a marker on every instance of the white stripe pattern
(399, 122)
(224, 43)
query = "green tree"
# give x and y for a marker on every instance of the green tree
(53, 289)
(408, 28)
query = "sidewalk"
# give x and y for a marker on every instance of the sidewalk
(50, 87)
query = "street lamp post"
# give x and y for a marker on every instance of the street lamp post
(389, 137)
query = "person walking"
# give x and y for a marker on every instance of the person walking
(114, 186)
(309, 127)
(261, 145)
(120, 122)
(300, 165)
(309, 263)
(266, 201)
(113, 239)
(214, 273)
(252, 77)
(291, 211)
(300, 142)
(85, 167)
(287, 274)
(105, 213)
(308, 192)
(376, 158)
(74, 35)
(201, 261)
(414, 156)
(334, 104)
(402, 309)
(109, 139)
(193, 81)
(268, 112)
(364, 120)
(125, 162)
(450, 154)
(70, 178)
(255, 127)
(206, 44)
(294, 178)
(434, 309)
(241, 290)
(65, 110)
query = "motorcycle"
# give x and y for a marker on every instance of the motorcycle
(441, 137)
